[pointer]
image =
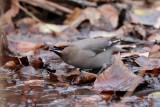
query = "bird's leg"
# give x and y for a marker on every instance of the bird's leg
(106, 65)
(102, 69)
(81, 73)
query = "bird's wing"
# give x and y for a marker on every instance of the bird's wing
(95, 45)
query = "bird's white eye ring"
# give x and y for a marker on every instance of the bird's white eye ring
(112, 42)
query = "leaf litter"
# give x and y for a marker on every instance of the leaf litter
(33, 76)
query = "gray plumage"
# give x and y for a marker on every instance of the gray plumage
(86, 53)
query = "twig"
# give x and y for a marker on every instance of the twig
(84, 2)
(47, 5)
(34, 17)
(29, 13)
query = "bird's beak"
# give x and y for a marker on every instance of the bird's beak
(55, 50)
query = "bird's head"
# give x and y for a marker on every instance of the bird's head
(61, 48)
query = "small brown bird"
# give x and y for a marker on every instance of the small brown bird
(87, 53)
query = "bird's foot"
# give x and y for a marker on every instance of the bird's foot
(81, 76)
(78, 79)
(101, 70)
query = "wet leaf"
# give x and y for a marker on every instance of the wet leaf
(87, 78)
(148, 64)
(116, 78)
(4, 59)
(94, 16)
(110, 14)
(23, 46)
(23, 23)
(90, 101)
(146, 16)
(155, 36)
(154, 98)
(30, 72)
(53, 78)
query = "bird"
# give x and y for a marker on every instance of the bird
(87, 53)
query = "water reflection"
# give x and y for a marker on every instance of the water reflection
(8, 97)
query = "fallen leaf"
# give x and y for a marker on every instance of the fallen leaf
(10, 65)
(146, 16)
(93, 15)
(24, 46)
(73, 16)
(53, 77)
(29, 72)
(4, 59)
(110, 14)
(155, 36)
(37, 63)
(117, 33)
(150, 48)
(87, 78)
(116, 78)
(27, 21)
(147, 64)
(92, 100)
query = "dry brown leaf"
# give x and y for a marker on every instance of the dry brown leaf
(147, 64)
(79, 16)
(4, 59)
(88, 78)
(150, 49)
(37, 63)
(29, 71)
(92, 100)
(10, 65)
(73, 16)
(155, 36)
(104, 18)
(117, 33)
(146, 16)
(23, 46)
(116, 78)
(26, 21)
(76, 79)
(53, 77)
(110, 14)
